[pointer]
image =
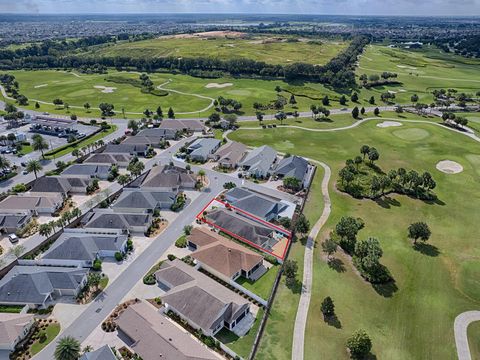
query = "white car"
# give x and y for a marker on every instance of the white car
(13, 238)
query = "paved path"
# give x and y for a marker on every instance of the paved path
(303, 305)
(461, 338)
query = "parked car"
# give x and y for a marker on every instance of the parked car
(13, 238)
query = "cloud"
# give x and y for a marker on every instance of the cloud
(351, 7)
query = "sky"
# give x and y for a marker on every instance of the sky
(334, 7)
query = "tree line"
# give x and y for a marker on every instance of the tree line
(338, 72)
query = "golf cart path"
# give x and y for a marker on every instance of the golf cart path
(304, 303)
(212, 100)
(468, 132)
(460, 328)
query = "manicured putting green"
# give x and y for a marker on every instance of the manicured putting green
(412, 134)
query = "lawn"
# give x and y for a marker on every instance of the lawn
(51, 331)
(13, 309)
(276, 342)
(26, 149)
(242, 346)
(432, 287)
(263, 286)
(271, 50)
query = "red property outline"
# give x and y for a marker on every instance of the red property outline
(277, 228)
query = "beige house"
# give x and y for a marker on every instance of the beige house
(152, 336)
(13, 329)
(224, 258)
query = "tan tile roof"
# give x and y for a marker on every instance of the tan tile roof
(11, 326)
(155, 337)
(221, 254)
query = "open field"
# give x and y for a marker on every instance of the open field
(433, 286)
(273, 50)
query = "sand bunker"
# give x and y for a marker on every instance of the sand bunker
(386, 124)
(217, 85)
(449, 167)
(105, 89)
(407, 67)
(40, 86)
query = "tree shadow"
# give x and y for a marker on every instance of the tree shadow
(386, 289)
(436, 201)
(426, 249)
(296, 288)
(333, 321)
(370, 356)
(387, 202)
(336, 264)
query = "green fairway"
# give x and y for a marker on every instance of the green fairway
(433, 287)
(419, 71)
(278, 50)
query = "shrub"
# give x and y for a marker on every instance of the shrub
(19, 188)
(171, 257)
(97, 265)
(181, 242)
(149, 279)
(118, 256)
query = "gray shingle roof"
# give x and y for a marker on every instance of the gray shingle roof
(260, 159)
(103, 353)
(190, 125)
(83, 246)
(108, 158)
(126, 148)
(242, 227)
(32, 284)
(203, 147)
(13, 220)
(51, 184)
(254, 203)
(293, 166)
(88, 170)
(165, 177)
(111, 220)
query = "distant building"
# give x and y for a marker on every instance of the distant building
(131, 149)
(165, 179)
(191, 126)
(91, 171)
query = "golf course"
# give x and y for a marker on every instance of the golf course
(432, 284)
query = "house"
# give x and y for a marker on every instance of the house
(139, 201)
(121, 160)
(152, 336)
(78, 184)
(36, 204)
(13, 329)
(165, 178)
(80, 249)
(100, 172)
(106, 221)
(242, 227)
(201, 149)
(229, 155)
(224, 258)
(11, 223)
(204, 303)
(294, 167)
(258, 162)
(248, 203)
(185, 126)
(102, 353)
(52, 184)
(36, 286)
(156, 135)
(131, 149)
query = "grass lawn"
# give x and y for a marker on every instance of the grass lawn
(433, 287)
(259, 48)
(26, 149)
(263, 286)
(242, 346)
(13, 309)
(51, 331)
(85, 142)
(473, 340)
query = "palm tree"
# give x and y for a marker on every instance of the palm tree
(68, 348)
(4, 162)
(201, 173)
(34, 166)
(101, 143)
(76, 212)
(45, 229)
(39, 143)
